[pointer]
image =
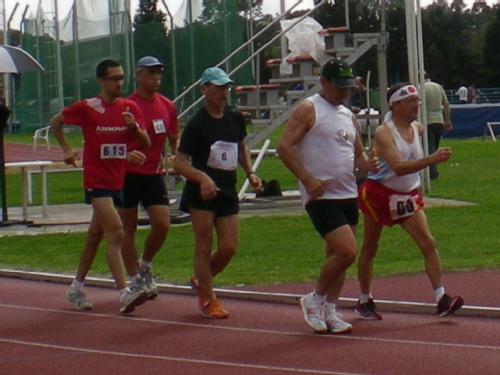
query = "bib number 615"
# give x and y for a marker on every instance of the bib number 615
(113, 151)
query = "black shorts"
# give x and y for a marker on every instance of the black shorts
(226, 203)
(117, 196)
(149, 190)
(330, 214)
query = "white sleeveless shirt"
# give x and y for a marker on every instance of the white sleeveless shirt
(408, 151)
(327, 150)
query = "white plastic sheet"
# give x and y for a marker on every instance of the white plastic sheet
(303, 40)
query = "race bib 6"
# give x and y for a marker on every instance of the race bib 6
(113, 151)
(223, 155)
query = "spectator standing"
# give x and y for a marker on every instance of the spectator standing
(438, 117)
(462, 93)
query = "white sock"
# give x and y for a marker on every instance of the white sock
(78, 284)
(331, 306)
(363, 298)
(438, 293)
(318, 298)
(144, 265)
(136, 277)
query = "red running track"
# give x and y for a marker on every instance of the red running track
(40, 334)
(15, 152)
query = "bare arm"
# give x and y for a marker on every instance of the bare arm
(362, 162)
(140, 135)
(173, 141)
(299, 123)
(246, 164)
(142, 138)
(386, 148)
(446, 113)
(56, 125)
(208, 189)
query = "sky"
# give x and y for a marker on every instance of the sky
(270, 6)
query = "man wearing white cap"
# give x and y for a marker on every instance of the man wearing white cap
(145, 184)
(392, 196)
(321, 146)
(214, 140)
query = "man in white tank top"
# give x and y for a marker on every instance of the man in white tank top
(321, 147)
(392, 196)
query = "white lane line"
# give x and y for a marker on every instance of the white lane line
(172, 359)
(258, 330)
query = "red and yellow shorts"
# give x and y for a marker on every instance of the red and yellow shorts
(386, 206)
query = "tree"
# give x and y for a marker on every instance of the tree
(148, 12)
(150, 37)
(491, 50)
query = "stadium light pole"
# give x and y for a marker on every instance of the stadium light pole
(172, 37)
(416, 70)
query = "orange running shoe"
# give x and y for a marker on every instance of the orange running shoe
(213, 309)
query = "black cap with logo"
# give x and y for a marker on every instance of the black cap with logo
(339, 73)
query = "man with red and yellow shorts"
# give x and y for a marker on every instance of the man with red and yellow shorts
(392, 196)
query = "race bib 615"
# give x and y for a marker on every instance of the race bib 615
(113, 151)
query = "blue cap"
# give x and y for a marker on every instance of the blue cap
(215, 76)
(148, 61)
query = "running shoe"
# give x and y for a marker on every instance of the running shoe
(131, 299)
(447, 305)
(334, 321)
(314, 313)
(149, 283)
(368, 310)
(78, 299)
(213, 309)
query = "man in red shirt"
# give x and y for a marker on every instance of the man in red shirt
(109, 123)
(145, 184)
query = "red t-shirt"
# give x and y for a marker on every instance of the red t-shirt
(160, 119)
(106, 138)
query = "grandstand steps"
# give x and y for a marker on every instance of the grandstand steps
(269, 105)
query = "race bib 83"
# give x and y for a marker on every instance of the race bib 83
(402, 206)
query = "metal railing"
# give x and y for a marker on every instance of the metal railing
(255, 53)
(483, 96)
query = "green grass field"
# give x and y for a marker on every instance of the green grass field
(287, 249)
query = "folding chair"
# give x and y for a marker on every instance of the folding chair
(42, 133)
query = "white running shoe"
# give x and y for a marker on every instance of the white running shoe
(149, 283)
(314, 313)
(131, 299)
(78, 299)
(334, 322)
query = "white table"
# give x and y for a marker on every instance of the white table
(490, 126)
(25, 168)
